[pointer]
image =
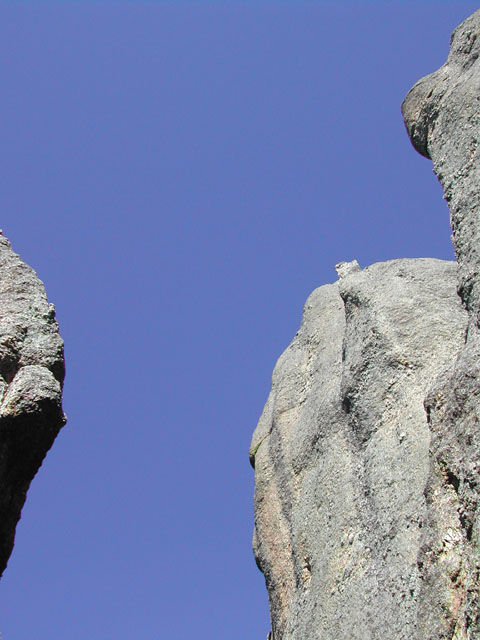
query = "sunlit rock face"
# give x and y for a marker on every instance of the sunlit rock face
(31, 378)
(367, 454)
(341, 451)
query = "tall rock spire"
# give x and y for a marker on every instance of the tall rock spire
(367, 454)
(32, 370)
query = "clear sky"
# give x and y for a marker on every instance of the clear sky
(182, 175)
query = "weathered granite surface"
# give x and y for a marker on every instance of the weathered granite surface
(442, 115)
(341, 451)
(31, 378)
(367, 454)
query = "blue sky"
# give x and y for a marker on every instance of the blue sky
(182, 176)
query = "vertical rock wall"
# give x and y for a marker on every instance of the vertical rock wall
(341, 451)
(367, 454)
(442, 116)
(31, 378)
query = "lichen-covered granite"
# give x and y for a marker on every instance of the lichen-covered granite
(31, 377)
(367, 454)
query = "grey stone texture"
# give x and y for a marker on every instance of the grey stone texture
(31, 377)
(367, 454)
(442, 116)
(341, 451)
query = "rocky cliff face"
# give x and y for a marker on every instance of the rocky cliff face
(31, 377)
(367, 454)
(442, 115)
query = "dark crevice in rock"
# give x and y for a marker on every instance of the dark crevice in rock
(346, 404)
(453, 480)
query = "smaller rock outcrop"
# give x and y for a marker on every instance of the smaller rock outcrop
(442, 115)
(31, 377)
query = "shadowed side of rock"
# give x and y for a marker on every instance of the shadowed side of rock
(442, 116)
(31, 377)
(341, 452)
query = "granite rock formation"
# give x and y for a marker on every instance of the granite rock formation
(367, 454)
(341, 451)
(31, 378)
(442, 116)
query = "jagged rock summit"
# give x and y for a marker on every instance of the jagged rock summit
(367, 454)
(32, 370)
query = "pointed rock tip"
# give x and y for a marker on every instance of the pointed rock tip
(346, 268)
